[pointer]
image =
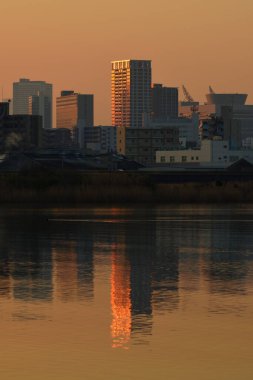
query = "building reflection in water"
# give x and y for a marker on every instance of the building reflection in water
(42, 262)
(155, 264)
(120, 299)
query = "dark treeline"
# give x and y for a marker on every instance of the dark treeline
(43, 186)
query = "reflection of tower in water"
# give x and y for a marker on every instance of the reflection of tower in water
(120, 300)
(131, 289)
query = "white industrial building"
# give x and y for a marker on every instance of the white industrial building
(210, 152)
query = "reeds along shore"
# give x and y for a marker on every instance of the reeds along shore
(115, 187)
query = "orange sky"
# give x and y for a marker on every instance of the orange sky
(70, 43)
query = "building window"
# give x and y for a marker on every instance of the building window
(172, 159)
(197, 158)
(163, 159)
(233, 158)
(184, 158)
(192, 158)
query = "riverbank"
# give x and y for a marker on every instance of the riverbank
(115, 187)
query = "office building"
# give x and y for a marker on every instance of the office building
(34, 98)
(41, 105)
(75, 112)
(188, 128)
(100, 139)
(131, 92)
(238, 125)
(141, 144)
(164, 102)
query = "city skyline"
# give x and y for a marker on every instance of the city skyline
(192, 43)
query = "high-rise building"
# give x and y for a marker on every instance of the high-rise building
(41, 105)
(131, 92)
(164, 102)
(75, 112)
(26, 91)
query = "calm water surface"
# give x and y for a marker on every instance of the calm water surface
(126, 293)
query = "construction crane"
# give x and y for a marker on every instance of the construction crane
(187, 95)
(211, 91)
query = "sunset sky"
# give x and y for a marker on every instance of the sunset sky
(70, 43)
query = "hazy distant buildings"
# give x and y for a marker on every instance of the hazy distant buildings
(213, 105)
(34, 98)
(164, 102)
(131, 92)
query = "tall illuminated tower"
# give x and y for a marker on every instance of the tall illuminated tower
(131, 92)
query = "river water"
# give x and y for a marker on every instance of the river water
(126, 293)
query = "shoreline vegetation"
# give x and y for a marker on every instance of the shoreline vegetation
(59, 187)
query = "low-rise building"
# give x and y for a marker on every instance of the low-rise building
(210, 152)
(100, 139)
(20, 132)
(238, 125)
(188, 128)
(141, 144)
(57, 138)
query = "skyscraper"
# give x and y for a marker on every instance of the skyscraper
(41, 105)
(164, 102)
(38, 94)
(75, 112)
(131, 92)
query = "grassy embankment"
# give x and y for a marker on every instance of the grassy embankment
(116, 187)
